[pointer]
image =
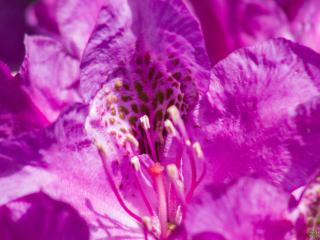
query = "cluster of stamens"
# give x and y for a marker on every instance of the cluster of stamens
(168, 180)
(143, 113)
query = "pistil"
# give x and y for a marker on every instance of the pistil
(156, 171)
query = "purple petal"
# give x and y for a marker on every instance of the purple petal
(18, 114)
(64, 163)
(39, 217)
(306, 24)
(127, 30)
(260, 114)
(12, 29)
(248, 209)
(42, 17)
(76, 20)
(70, 21)
(229, 25)
(290, 7)
(50, 75)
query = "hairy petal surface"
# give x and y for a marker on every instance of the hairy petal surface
(39, 217)
(50, 75)
(260, 114)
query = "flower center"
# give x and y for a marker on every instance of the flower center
(137, 120)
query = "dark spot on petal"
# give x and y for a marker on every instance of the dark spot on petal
(144, 109)
(126, 86)
(143, 96)
(160, 96)
(169, 93)
(123, 109)
(177, 75)
(134, 108)
(133, 120)
(138, 86)
(126, 98)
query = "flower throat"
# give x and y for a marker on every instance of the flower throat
(140, 113)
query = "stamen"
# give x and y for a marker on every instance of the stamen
(102, 155)
(170, 128)
(136, 163)
(156, 171)
(198, 150)
(145, 122)
(176, 118)
(146, 126)
(147, 222)
(173, 174)
(131, 139)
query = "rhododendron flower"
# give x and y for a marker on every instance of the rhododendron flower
(160, 129)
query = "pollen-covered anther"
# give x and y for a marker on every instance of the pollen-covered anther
(172, 171)
(118, 85)
(129, 138)
(136, 163)
(147, 222)
(170, 128)
(177, 120)
(111, 99)
(174, 113)
(145, 122)
(198, 150)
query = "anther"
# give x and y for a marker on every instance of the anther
(131, 139)
(176, 118)
(198, 150)
(170, 128)
(118, 85)
(145, 122)
(136, 163)
(174, 113)
(172, 171)
(147, 222)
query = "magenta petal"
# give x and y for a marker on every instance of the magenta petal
(259, 115)
(70, 21)
(42, 17)
(248, 209)
(306, 24)
(125, 31)
(63, 162)
(229, 25)
(38, 217)
(50, 75)
(18, 114)
(12, 29)
(76, 20)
